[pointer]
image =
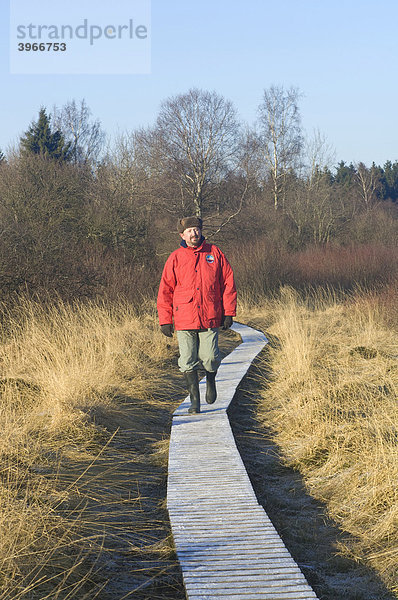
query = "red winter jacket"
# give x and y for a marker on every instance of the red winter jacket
(197, 288)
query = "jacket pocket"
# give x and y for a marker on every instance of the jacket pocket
(180, 299)
(213, 305)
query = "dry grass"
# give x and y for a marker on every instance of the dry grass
(332, 404)
(70, 376)
(61, 370)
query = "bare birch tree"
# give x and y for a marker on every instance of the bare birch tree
(280, 135)
(86, 136)
(368, 181)
(319, 155)
(314, 208)
(196, 142)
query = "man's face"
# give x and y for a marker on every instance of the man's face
(192, 236)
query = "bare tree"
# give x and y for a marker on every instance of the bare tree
(368, 181)
(124, 166)
(280, 135)
(195, 142)
(86, 136)
(319, 155)
(316, 212)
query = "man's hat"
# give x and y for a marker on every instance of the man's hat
(187, 222)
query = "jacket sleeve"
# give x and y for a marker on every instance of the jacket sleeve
(166, 292)
(228, 288)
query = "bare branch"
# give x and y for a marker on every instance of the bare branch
(213, 233)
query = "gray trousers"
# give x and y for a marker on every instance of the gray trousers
(198, 348)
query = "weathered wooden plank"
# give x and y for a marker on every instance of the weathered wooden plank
(243, 577)
(204, 550)
(265, 594)
(237, 572)
(261, 595)
(243, 530)
(233, 537)
(253, 594)
(270, 557)
(285, 584)
(225, 542)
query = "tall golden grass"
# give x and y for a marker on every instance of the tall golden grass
(331, 402)
(59, 367)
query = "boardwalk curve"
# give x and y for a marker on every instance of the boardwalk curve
(226, 544)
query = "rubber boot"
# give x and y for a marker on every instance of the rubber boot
(211, 392)
(191, 378)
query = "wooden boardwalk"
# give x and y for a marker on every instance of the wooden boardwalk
(226, 545)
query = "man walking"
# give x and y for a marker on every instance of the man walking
(197, 292)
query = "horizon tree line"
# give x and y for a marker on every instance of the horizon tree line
(77, 211)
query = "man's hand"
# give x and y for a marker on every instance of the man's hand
(167, 330)
(226, 322)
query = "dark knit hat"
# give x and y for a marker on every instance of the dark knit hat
(187, 222)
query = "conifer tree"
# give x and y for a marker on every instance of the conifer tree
(40, 139)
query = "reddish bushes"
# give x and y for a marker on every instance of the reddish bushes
(262, 267)
(344, 266)
(259, 267)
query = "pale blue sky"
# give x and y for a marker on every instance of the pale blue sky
(341, 54)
